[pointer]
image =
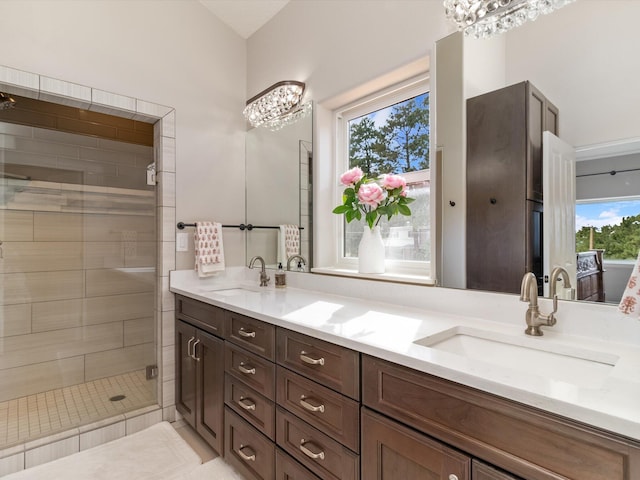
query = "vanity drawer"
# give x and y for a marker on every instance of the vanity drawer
(328, 364)
(334, 414)
(254, 335)
(201, 315)
(250, 452)
(288, 469)
(255, 371)
(250, 405)
(318, 452)
(482, 471)
(522, 440)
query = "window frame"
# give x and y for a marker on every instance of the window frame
(363, 106)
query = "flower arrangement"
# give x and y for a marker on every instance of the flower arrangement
(373, 198)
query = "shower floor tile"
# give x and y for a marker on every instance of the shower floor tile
(27, 418)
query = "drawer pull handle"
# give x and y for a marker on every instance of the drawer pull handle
(246, 403)
(304, 356)
(304, 401)
(245, 370)
(251, 457)
(315, 455)
(189, 346)
(246, 333)
(195, 344)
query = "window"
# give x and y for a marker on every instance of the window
(390, 134)
(610, 224)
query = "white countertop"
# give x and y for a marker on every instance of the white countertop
(388, 330)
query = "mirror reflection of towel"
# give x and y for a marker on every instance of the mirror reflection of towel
(209, 248)
(288, 243)
(630, 303)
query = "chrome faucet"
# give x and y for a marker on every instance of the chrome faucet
(535, 319)
(264, 279)
(553, 282)
(301, 261)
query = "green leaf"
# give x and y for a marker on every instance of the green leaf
(371, 218)
(404, 210)
(349, 191)
(358, 215)
(342, 209)
(407, 200)
(349, 215)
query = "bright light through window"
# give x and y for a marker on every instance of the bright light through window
(613, 225)
(395, 139)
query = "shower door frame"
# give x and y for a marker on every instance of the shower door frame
(31, 85)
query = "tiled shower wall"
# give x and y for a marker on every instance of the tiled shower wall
(78, 272)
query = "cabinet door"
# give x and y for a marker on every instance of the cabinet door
(186, 372)
(496, 189)
(391, 451)
(209, 354)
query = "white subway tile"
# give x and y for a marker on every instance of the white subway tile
(168, 124)
(52, 451)
(65, 93)
(112, 103)
(135, 424)
(11, 464)
(150, 112)
(102, 435)
(19, 82)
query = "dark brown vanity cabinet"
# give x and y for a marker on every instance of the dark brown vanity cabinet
(504, 185)
(519, 442)
(200, 369)
(296, 407)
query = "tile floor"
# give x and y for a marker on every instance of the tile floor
(27, 418)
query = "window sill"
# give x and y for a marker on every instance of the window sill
(383, 277)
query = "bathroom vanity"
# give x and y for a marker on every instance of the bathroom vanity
(310, 385)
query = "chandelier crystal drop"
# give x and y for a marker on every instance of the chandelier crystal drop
(485, 18)
(277, 106)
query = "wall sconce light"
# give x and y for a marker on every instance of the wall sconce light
(485, 18)
(277, 106)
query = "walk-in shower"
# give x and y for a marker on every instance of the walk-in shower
(77, 270)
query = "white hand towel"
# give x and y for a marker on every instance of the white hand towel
(209, 248)
(288, 243)
(630, 303)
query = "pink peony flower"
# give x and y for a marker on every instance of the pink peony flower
(371, 194)
(350, 177)
(391, 182)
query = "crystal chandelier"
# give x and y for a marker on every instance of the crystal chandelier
(277, 106)
(485, 18)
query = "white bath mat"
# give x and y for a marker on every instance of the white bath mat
(158, 452)
(216, 469)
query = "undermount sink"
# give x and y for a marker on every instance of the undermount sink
(538, 356)
(233, 290)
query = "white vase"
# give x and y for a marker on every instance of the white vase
(371, 251)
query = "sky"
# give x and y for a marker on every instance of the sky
(605, 213)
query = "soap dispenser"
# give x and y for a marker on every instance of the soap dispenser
(281, 277)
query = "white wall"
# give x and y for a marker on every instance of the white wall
(170, 52)
(584, 58)
(336, 47)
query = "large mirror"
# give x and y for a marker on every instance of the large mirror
(582, 58)
(278, 190)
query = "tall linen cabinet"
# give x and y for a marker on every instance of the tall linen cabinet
(504, 186)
